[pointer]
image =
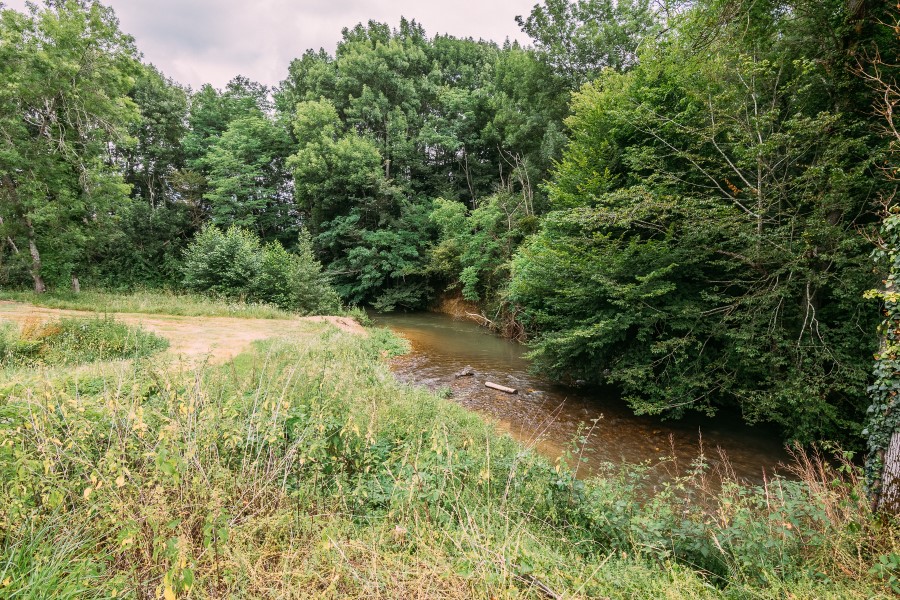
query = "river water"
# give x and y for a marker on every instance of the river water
(551, 418)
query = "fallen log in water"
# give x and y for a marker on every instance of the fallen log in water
(502, 388)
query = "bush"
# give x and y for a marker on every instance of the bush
(224, 264)
(235, 264)
(294, 280)
(74, 341)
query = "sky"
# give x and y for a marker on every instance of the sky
(211, 41)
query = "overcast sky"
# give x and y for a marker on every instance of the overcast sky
(211, 41)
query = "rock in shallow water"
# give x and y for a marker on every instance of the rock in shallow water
(464, 372)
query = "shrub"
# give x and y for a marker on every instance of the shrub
(224, 264)
(235, 264)
(294, 280)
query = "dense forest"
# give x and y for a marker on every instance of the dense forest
(678, 199)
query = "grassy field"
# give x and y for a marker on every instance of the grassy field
(157, 302)
(303, 469)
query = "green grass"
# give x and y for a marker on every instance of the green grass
(74, 341)
(149, 302)
(55, 560)
(303, 469)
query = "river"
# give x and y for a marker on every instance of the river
(550, 418)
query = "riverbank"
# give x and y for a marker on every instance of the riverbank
(303, 468)
(561, 422)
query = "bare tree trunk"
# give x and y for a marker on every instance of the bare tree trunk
(760, 197)
(39, 287)
(9, 240)
(469, 179)
(76, 285)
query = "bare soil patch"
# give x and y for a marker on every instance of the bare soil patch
(218, 338)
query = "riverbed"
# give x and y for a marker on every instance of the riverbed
(592, 428)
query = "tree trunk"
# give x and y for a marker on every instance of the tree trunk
(889, 496)
(39, 287)
(76, 285)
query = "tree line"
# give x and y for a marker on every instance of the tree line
(674, 198)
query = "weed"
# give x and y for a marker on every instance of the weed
(304, 469)
(74, 341)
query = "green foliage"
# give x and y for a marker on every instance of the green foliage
(395, 119)
(883, 416)
(50, 559)
(147, 252)
(888, 569)
(294, 280)
(247, 179)
(334, 173)
(67, 71)
(156, 225)
(212, 111)
(158, 152)
(384, 266)
(234, 264)
(370, 238)
(223, 263)
(74, 341)
(528, 103)
(368, 137)
(475, 249)
(581, 38)
(613, 291)
(307, 452)
(707, 251)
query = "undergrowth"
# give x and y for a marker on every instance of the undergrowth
(303, 469)
(71, 341)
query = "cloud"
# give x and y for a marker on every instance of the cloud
(211, 41)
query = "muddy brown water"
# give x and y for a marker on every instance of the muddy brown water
(551, 418)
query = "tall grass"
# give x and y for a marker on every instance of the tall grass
(74, 341)
(54, 559)
(304, 469)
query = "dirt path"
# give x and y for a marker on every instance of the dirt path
(219, 338)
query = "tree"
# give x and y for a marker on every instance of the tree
(882, 75)
(235, 264)
(371, 237)
(580, 38)
(67, 73)
(158, 151)
(476, 247)
(248, 180)
(706, 252)
(395, 120)
(335, 172)
(160, 218)
(211, 113)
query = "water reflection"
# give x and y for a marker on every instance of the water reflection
(553, 418)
